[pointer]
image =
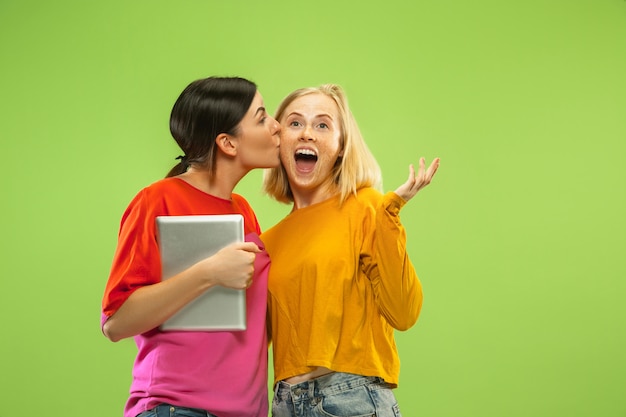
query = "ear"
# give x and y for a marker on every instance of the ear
(342, 144)
(226, 144)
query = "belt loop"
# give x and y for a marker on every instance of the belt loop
(312, 388)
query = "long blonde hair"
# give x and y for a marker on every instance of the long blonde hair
(357, 168)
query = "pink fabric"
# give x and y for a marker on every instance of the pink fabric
(222, 372)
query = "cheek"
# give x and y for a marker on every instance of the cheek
(337, 143)
(284, 155)
(332, 148)
(262, 143)
(287, 136)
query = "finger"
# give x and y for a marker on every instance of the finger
(422, 172)
(249, 247)
(411, 179)
(432, 169)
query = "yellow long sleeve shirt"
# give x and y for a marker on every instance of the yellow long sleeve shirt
(340, 281)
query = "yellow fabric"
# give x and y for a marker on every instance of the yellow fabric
(339, 283)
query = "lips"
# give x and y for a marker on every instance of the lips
(306, 159)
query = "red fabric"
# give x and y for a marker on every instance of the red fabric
(137, 261)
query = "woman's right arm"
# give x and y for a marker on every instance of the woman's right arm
(151, 305)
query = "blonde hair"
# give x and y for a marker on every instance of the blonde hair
(357, 168)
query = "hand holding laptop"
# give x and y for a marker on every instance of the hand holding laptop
(232, 266)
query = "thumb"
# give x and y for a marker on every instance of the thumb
(249, 247)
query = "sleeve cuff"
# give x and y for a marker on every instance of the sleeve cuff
(393, 203)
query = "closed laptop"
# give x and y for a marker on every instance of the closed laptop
(186, 240)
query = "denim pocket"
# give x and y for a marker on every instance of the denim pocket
(355, 402)
(384, 400)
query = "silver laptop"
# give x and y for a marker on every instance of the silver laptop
(186, 240)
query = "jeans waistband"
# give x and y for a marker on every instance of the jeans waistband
(333, 383)
(168, 410)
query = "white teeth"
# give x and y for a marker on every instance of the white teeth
(305, 152)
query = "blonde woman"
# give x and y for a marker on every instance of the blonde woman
(341, 280)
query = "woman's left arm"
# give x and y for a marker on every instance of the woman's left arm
(396, 285)
(417, 181)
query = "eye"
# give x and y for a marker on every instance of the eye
(295, 123)
(323, 125)
(263, 117)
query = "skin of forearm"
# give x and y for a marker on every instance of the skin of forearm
(151, 305)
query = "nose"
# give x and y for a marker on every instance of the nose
(277, 127)
(307, 135)
(277, 130)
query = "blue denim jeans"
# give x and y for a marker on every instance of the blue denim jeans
(335, 395)
(166, 410)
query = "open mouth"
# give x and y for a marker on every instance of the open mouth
(305, 160)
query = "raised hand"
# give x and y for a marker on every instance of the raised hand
(416, 182)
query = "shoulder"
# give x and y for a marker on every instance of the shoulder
(163, 186)
(239, 199)
(368, 198)
(152, 196)
(365, 197)
(282, 228)
(242, 204)
(169, 189)
(369, 193)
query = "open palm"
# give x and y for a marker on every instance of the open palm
(416, 182)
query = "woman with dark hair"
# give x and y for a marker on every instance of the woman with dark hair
(224, 131)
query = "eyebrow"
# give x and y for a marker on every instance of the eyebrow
(295, 113)
(260, 109)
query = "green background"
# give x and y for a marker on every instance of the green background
(519, 241)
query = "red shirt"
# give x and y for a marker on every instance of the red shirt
(224, 373)
(137, 262)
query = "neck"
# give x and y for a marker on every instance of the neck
(219, 185)
(308, 197)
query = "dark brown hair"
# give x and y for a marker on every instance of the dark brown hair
(205, 109)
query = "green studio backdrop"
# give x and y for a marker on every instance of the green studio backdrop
(519, 242)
